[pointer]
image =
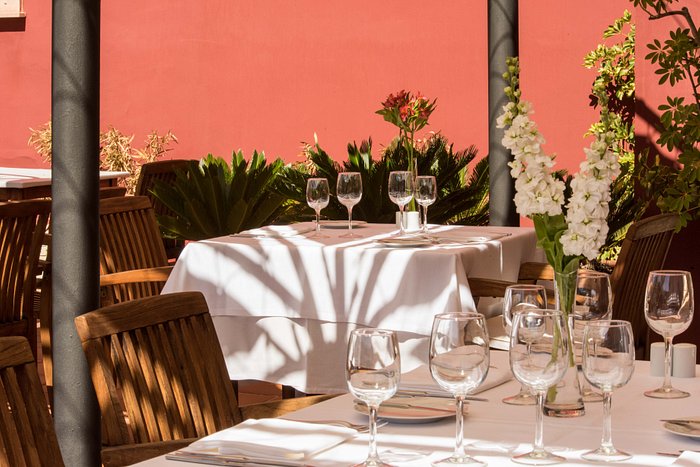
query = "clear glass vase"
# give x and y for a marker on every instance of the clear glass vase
(565, 399)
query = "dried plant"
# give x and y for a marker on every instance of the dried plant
(40, 140)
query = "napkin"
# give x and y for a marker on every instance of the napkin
(688, 459)
(468, 237)
(278, 231)
(420, 380)
(273, 438)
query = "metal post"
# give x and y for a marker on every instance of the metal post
(503, 42)
(75, 116)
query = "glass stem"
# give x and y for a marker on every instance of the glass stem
(425, 218)
(401, 231)
(606, 442)
(459, 435)
(318, 221)
(373, 432)
(538, 446)
(667, 363)
(350, 219)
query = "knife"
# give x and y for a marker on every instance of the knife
(418, 393)
(230, 459)
(399, 405)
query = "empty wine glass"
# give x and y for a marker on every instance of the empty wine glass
(593, 301)
(668, 309)
(349, 191)
(426, 194)
(517, 298)
(317, 196)
(401, 191)
(608, 363)
(539, 348)
(459, 362)
(373, 371)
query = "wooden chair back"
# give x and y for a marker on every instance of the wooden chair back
(22, 230)
(164, 171)
(27, 435)
(644, 249)
(163, 354)
(129, 240)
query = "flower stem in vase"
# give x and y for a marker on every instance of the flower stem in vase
(565, 399)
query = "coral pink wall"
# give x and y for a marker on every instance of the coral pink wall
(268, 74)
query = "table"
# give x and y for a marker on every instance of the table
(493, 427)
(283, 307)
(20, 183)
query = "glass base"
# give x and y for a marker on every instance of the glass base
(373, 463)
(459, 460)
(538, 458)
(589, 395)
(667, 393)
(351, 235)
(522, 398)
(565, 410)
(609, 454)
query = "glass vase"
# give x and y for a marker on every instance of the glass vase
(565, 399)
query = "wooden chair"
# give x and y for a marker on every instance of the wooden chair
(27, 435)
(160, 376)
(164, 171)
(133, 263)
(644, 249)
(22, 230)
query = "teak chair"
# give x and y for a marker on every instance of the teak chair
(164, 171)
(133, 263)
(22, 230)
(160, 376)
(27, 436)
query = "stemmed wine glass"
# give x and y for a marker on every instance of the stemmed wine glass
(401, 191)
(668, 309)
(426, 194)
(373, 371)
(459, 362)
(317, 197)
(593, 301)
(517, 298)
(608, 363)
(539, 348)
(349, 191)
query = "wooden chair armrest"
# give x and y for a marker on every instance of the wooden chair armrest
(487, 287)
(532, 272)
(117, 456)
(159, 274)
(281, 407)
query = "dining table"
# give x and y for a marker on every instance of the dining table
(494, 431)
(18, 183)
(284, 301)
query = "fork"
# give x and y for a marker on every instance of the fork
(360, 428)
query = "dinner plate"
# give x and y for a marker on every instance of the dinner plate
(341, 224)
(405, 242)
(691, 430)
(422, 409)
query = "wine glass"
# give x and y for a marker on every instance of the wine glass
(317, 196)
(349, 191)
(539, 348)
(593, 301)
(459, 362)
(608, 363)
(401, 191)
(373, 370)
(426, 194)
(517, 298)
(668, 309)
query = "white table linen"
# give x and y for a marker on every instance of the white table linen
(495, 431)
(283, 308)
(15, 177)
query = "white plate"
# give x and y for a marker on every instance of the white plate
(341, 224)
(422, 409)
(407, 242)
(692, 431)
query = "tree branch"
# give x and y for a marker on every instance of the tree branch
(682, 12)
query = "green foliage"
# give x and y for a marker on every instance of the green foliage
(676, 189)
(212, 199)
(462, 195)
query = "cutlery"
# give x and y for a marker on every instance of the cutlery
(360, 428)
(399, 405)
(418, 393)
(682, 421)
(231, 459)
(675, 454)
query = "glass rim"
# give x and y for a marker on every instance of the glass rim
(400, 172)
(348, 173)
(669, 272)
(525, 286)
(539, 311)
(425, 176)
(316, 179)
(608, 323)
(459, 315)
(373, 331)
(592, 273)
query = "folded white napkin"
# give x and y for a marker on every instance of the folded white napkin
(278, 231)
(420, 380)
(688, 459)
(273, 438)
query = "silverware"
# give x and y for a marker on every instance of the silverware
(231, 459)
(360, 428)
(399, 405)
(417, 393)
(681, 421)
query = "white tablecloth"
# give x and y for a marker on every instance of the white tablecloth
(283, 307)
(495, 431)
(15, 177)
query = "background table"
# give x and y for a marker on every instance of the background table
(21, 183)
(492, 427)
(283, 307)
